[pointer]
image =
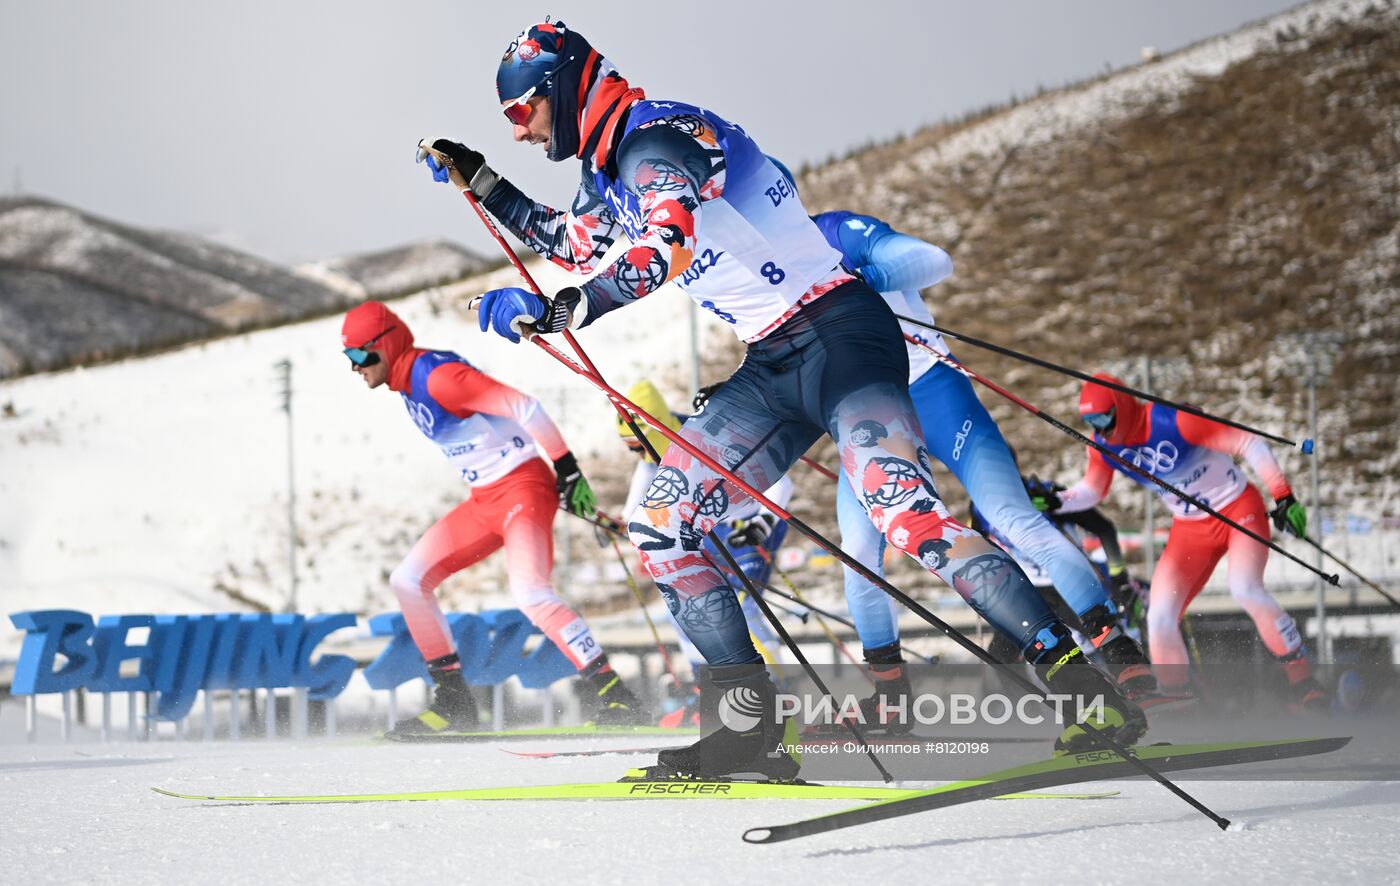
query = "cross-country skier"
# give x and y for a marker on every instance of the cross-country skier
(488, 431)
(1129, 595)
(962, 435)
(703, 206)
(1197, 456)
(752, 533)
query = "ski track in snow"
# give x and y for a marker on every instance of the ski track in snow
(91, 818)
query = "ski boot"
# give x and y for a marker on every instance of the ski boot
(750, 743)
(1308, 694)
(1127, 662)
(617, 706)
(453, 708)
(886, 711)
(701, 709)
(1063, 668)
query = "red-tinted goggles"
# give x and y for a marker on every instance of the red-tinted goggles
(520, 111)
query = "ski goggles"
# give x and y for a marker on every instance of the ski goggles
(1100, 421)
(362, 356)
(519, 111)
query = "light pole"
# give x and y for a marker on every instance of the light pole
(1319, 350)
(285, 369)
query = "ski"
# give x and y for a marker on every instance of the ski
(1095, 765)
(546, 732)
(807, 739)
(631, 788)
(599, 752)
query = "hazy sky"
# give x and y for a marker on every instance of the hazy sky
(288, 128)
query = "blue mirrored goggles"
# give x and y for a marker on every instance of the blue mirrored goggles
(1100, 421)
(363, 356)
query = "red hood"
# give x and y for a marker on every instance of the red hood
(373, 319)
(1131, 424)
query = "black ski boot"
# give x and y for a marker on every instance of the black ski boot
(750, 743)
(617, 706)
(1308, 694)
(1125, 658)
(453, 708)
(886, 711)
(1064, 670)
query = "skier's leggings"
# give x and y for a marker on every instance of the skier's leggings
(838, 366)
(1193, 549)
(759, 568)
(516, 511)
(961, 434)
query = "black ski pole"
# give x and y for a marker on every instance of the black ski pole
(1340, 562)
(627, 409)
(1119, 460)
(590, 372)
(613, 526)
(1305, 446)
(952, 633)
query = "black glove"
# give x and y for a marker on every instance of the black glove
(703, 395)
(575, 495)
(470, 164)
(1046, 500)
(560, 312)
(1123, 590)
(1289, 516)
(1043, 494)
(752, 532)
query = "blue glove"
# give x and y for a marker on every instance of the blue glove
(507, 310)
(439, 172)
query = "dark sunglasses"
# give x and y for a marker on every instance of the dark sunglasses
(363, 356)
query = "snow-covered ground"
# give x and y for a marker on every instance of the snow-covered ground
(87, 815)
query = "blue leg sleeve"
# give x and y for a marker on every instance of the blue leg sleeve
(963, 436)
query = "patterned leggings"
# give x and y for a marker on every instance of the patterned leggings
(837, 367)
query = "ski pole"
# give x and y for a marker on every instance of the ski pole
(610, 525)
(1304, 446)
(1117, 459)
(826, 628)
(623, 405)
(819, 467)
(958, 637)
(1364, 580)
(620, 403)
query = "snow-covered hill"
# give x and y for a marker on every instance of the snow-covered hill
(155, 484)
(1196, 209)
(1207, 210)
(79, 289)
